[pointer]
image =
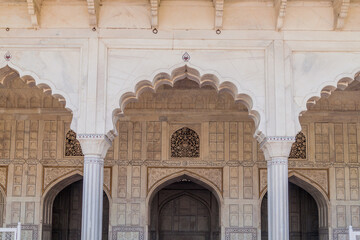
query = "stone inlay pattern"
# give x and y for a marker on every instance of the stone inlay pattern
(72, 145)
(240, 233)
(185, 142)
(128, 233)
(298, 149)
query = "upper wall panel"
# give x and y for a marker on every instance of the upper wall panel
(243, 68)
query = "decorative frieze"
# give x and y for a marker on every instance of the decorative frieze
(17, 182)
(49, 140)
(354, 184)
(153, 139)
(248, 182)
(31, 180)
(122, 182)
(216, 141)
(234, 182)
(5, 139)
(322, 142)
(341, 216)
(340, 183)
(234, 215)
(136, 141)
(136, 182)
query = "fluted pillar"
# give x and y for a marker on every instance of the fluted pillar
(276, 151)
(94, 147)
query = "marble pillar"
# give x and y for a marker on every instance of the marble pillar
(276, 151)
(94, 147)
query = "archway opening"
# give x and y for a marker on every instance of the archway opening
(184, 210)
(307, 212)
(63, 211)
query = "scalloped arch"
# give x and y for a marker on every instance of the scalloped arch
(8, 71)
(326, 89)
(185, 72)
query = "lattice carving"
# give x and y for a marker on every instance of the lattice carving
(72, 145)
(298, 149)
(185, 142)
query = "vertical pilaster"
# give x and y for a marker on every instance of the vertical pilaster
(276, 151)
(94, 147)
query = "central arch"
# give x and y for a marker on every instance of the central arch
(184, 207)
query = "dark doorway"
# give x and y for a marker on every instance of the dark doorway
(303, 215)
(184, 210)
(66, 215)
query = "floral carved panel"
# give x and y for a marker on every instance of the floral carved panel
(213, 175)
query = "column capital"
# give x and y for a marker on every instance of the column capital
(95, 144)
(277, 146)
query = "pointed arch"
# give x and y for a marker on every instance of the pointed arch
(178, 176)
(321, 198)
(185, 72)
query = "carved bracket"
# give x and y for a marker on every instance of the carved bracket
(34, 7)
(219, 12)
(341, 10)
(93, 9)
(154, 8)
(280, 8)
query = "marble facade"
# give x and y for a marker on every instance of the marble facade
(216, 96)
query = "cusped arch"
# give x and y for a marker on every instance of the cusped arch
(185, 72)
(10, 71)
(326, 88)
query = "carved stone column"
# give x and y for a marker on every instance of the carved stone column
(276, 151)
(94, 147)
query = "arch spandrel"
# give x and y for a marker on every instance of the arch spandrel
(161, 177)
(132, 92)
(316, 178)
(318, 75)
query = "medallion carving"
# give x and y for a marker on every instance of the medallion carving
(185, 142)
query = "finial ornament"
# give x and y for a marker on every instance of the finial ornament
(7, 56)
(186, 57)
